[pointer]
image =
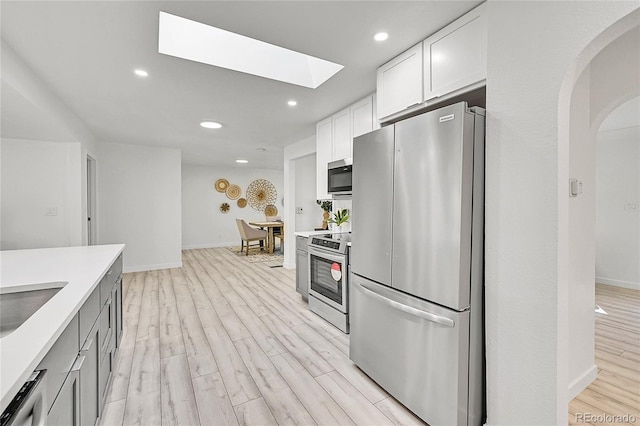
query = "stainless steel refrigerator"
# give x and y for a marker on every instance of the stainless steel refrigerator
(416, 289)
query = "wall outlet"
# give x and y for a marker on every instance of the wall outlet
(51, 211)
(298, 210)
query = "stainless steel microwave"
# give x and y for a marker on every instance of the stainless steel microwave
(339, 177)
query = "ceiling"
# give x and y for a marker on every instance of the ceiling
(85, 53)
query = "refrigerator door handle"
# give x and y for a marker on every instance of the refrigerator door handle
(408, 309)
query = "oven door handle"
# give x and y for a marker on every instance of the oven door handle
(339, 258)
(408, 309)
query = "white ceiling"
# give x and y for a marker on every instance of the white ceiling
(85, 52)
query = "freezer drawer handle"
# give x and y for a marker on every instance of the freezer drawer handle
(408, 309)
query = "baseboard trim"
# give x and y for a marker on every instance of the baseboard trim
(287, 265)
(583, 381)
(618, 283)
(143, 268)
(208, 245)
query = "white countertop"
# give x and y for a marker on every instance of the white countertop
(307, 234)
(81, 268)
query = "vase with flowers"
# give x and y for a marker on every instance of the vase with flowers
(326, 206)
(340, 217)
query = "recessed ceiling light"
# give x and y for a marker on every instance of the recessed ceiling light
(242, 161)
(194, 41)
(141, 73)
(382, 36)
(292, 103)
(210, 125)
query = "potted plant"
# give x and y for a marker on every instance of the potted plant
(326, 206)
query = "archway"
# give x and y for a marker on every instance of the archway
(605, 76)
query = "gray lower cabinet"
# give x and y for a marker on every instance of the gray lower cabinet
(90, 378)
(302, 267)
(59, 362)
(117, 298)
(80, 363)
(66, 408)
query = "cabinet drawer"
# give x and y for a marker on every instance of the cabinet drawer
(103, 376)
(89, 314)
(106, 328)
(59, 360)
(110, 279)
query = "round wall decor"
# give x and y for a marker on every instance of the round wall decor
(221, 185)
(261, 193)
(271, 210)
(233, 191)
(242, 203)
(224, 207)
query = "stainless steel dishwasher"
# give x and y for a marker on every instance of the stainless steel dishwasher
(28, 406)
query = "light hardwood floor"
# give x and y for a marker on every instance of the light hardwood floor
(616, 391)
(222, 341)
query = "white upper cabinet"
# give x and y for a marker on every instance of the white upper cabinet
(399, 82)
(362, 119)
(341, 140)
(323, 156)
(334, 137)
(448, 63)
(456, 56)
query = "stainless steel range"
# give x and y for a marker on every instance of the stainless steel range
(329, 278)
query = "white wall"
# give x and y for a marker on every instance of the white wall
(37, 176)
(618, 228)
(203, 225)
(581, 368)
(139, 204)
(61, 120)
(532, 48)
(305, 195)
(293, 152)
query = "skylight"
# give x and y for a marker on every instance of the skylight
(187, 39)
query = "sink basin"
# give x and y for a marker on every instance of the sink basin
(17, 306)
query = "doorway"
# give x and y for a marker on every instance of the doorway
(608, 80)
(91, 201)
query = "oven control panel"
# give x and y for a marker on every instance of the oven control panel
(320, 242)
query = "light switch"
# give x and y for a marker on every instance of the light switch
(575, 187)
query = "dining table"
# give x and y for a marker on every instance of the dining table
(270, 226)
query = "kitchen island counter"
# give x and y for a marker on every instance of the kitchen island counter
(79, 269)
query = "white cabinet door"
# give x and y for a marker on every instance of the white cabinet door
(341, 140)
(361, 118)
(324, 149)
(456, 56)
(399, 82)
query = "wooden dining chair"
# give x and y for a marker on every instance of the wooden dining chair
(277, 230)
(249, 234)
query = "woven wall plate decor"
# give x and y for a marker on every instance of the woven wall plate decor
(224, 207)
(271, 210)
(221, 185)
(242, 203)
(233, 191)
(261, 193)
